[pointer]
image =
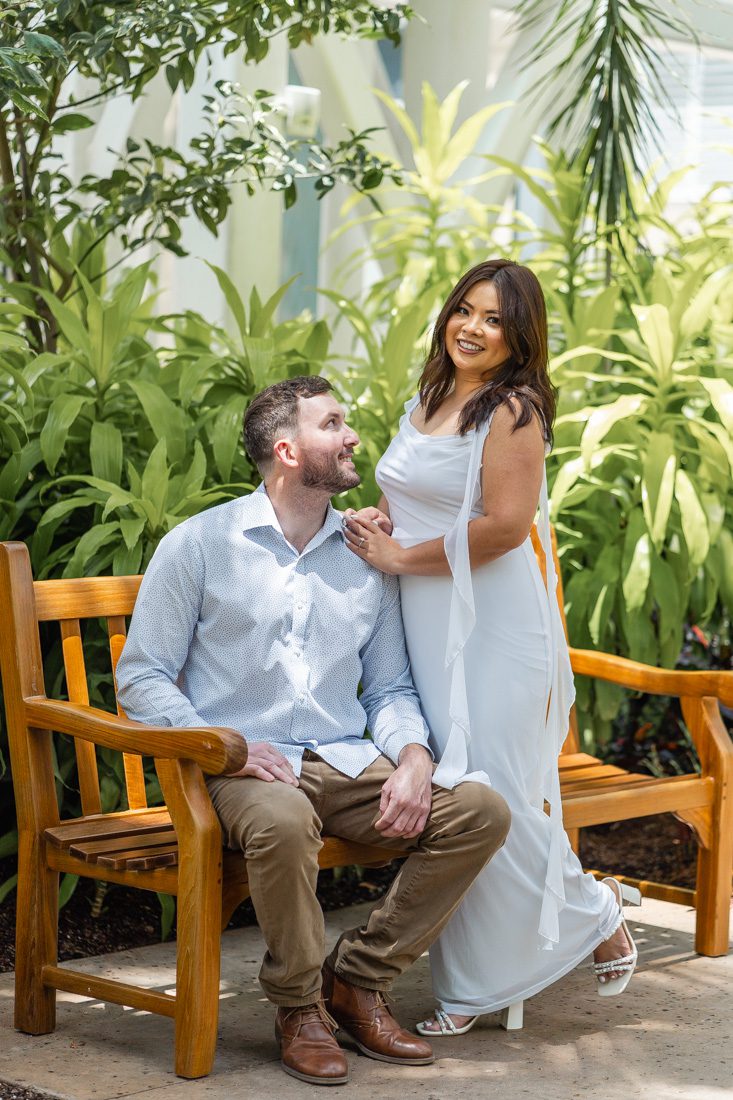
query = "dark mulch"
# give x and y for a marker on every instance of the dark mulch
(17, 1092)
(659, 848)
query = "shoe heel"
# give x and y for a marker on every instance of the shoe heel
(512, 1017)
(630, 894)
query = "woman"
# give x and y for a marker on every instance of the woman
(461, 483)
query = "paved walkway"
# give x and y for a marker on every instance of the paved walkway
(670, 1037)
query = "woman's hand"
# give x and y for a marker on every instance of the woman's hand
(380, 518)
(366, 539)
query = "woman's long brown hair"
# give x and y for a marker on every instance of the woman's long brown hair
(523, 375)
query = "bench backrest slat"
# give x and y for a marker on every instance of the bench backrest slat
(85, 597)
(78, 692)
(134, 772)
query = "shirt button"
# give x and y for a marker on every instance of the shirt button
(297, 653)
(301, 697)
(300, 606)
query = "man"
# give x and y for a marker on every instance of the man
(255, 615)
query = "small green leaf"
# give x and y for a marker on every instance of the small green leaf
(693, 519)
(657, 485)
(62, 413)
(105, 451)
(167, 914)
(636, 568)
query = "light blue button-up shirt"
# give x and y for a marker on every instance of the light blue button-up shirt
(233, 627)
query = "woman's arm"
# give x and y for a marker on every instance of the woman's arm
(513, 462)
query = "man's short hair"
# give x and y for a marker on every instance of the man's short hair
(274, 413)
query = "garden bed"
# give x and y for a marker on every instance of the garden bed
(657, 848)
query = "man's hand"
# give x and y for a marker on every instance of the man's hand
(265, 762)
(406, 796)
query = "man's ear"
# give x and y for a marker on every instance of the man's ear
(285, 451)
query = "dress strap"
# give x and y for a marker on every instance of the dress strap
(562, 697)
(453, 766)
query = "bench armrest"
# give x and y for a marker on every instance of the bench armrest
(216, 750)
(656, 681)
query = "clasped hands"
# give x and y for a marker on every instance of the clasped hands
(406, 796)
(367, 533)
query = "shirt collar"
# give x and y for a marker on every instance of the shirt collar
(257, 511)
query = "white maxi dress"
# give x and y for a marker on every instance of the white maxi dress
(488, 651)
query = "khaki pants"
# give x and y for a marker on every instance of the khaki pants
(278, 828)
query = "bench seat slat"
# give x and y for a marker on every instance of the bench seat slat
(90, 849)
(109, 826)
(141, 859)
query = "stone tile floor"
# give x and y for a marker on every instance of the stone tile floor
(670, 1037)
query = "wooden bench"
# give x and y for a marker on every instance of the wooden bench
(177, 849)
(594, 793)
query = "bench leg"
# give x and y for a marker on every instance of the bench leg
(714, 894)
(198, 958)
(36, 939)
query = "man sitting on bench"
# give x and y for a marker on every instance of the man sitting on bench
(256, 616)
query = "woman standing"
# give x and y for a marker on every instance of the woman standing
(461, 483)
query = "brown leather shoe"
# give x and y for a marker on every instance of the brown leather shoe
(307, 1046)
(366, 1017)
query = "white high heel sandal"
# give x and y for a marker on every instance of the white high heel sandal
(512, 1019)
(626, 964)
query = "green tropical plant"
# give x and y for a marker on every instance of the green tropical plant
(132, 425)
(642, 475)
(612, 85)
(430, 229)
(120, 47)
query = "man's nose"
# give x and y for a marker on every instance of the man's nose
(351, 439)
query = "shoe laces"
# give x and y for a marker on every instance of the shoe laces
(318, 1010)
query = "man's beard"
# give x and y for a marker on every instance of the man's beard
(329, 474)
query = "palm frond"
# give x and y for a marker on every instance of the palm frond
(614, 81)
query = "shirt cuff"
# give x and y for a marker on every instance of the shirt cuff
(393, 745)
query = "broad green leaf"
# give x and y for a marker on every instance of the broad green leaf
(233, 299)
(66, 888)
(7, 887)
(127, 559)
(667, 594)
(602, 419)
(167, 420)
(155, 482)
(88, 545)
(697, 315)
(402, 117)
(260, 351)
(131, 530)
(566, 478)
(8, 842)
(167, 914)
(65, 123)
(656, 332)
(226, 435)
(267, 311)
(62, 508)
(105, 451)
(636, 568)
(463, 142)
(195, 475)
(657, 485)
(62, 413)
(725, 542)
(721, 396)
(70, 324)
(693, 518)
